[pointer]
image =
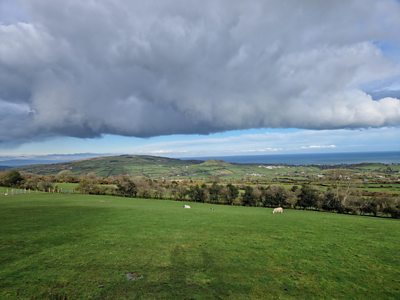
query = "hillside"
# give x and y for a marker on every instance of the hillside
(170, 168)
(162, 167)
(151, 166)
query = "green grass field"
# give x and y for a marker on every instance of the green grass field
(71, 246)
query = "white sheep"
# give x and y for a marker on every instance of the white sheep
(186, 206)
(278, 210)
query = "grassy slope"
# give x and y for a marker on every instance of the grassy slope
(82, 246)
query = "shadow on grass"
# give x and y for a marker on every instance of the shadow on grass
(193, 273)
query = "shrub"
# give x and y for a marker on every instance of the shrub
(12, 178)
(392, 207)
(369, 207)
(87, 185)
(331, 202)
(44, 185)
(249, 198)
(232, 192)
(197, 193)
(215, 192)
(308, 197)
(275, 196)
(126, 187)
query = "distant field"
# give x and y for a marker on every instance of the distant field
(376, 187)
(66, 187)
(59, 246)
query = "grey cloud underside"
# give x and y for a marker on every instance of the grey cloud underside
(145, 68)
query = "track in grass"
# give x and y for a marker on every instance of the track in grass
(79, 246)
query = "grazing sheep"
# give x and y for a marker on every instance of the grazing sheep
(186, 206)
(278, 210)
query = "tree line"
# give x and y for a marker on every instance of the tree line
(337, 198)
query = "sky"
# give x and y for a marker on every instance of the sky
(199, 78)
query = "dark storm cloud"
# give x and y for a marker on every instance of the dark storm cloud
(145, 68)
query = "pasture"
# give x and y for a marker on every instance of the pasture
(71, 246)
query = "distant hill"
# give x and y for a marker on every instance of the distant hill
(149, 166)
(143, 165)
(172, 168)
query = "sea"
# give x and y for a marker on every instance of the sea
(392, 157)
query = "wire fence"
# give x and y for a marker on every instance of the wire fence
(18, 191)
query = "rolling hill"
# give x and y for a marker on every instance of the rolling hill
(151, 166)
(162, 167)
(172, 168)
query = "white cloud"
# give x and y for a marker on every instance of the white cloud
(259, 150)
(162, 152)
(319, 147)
(87, 68)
